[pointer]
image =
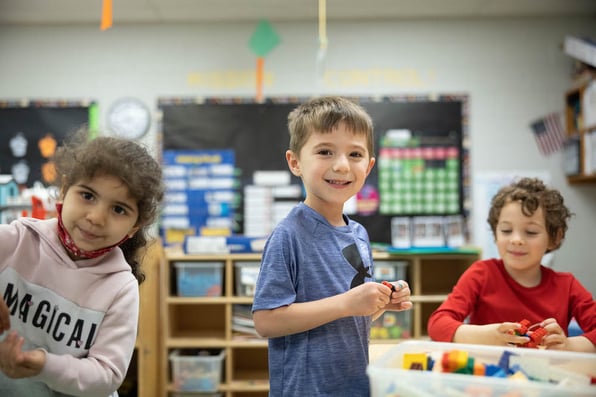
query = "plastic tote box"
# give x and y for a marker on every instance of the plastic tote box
(537, 372)
(199, 278)
(390, 270)
(196, 371)
(246, 274)
(392, 325)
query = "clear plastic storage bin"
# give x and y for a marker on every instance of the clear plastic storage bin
(199, 278)
(196, 371)
(564, 373)
(390, 270)
(246, 274)
(392, 325)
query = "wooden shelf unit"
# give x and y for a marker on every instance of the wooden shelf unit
(576, 128)
(143, 376)
(206, 322)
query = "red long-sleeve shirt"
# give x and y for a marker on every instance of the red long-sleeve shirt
(487, 294)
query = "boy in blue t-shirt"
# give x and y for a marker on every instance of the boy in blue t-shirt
(314, 299)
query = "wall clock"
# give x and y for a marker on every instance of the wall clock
(129, 118)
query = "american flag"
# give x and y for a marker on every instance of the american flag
(549, 134)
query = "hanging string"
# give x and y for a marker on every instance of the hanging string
(323, 42)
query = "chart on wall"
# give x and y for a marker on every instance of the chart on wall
(420, 146)
(31, 131)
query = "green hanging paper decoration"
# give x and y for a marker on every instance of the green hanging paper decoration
(263, 40)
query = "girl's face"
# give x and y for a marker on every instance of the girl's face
(521, 240)
(333, 167)
(99, 213)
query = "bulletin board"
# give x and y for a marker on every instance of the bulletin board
(31, 131)
(258, 134)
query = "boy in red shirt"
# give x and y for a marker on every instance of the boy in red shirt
(527, 219)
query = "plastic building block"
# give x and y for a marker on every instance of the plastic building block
(417, 367)
(536, 335)
(494, 370)
(430, 363)
(504, 360)
(389, 285)
(411, 359)
(519, 375)
(454, 360)
(523, 330)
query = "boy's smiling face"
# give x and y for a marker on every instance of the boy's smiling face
(333, 167)
(521, 240)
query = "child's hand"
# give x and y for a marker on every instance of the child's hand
(400, 296)
(4, 317)
(508, 334)
(500, 334)
(367, 299)
(555, 338)
(16, 363)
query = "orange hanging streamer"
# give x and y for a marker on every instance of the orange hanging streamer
(260, 72)
(106, 15)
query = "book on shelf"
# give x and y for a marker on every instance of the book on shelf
(590, 152)
(571, 156)
(242, 320)
(245, 330)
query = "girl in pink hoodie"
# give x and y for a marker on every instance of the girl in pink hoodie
(69, 285)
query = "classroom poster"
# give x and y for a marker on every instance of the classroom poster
(31, 132)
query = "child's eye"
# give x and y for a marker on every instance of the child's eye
(324, 152)
(356, 154)
(531, 233)
(505, 231)
(87, 196)
(120, 210)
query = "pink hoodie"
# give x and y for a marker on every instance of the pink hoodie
(83, 313)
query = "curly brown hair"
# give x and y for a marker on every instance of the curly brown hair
(322, 115)
(82, 158)
(532, 193)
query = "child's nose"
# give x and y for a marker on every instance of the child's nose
(96, 215)
(341, 163)
(516, 238)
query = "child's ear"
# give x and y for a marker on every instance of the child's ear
(293, 163)
(133, 231)
(371, 163)
(556, 243)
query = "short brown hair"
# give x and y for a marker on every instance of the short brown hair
(322, 115)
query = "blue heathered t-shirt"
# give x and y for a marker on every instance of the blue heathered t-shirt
(307, 259)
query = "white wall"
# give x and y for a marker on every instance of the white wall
(514, 72)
